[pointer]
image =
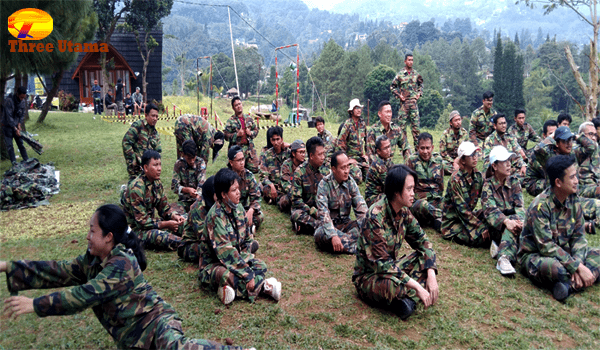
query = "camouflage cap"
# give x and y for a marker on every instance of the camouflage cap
(296, 145)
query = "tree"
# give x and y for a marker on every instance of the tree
(72, 20)
(588, 88)
(146, 16)
(431, 106)
(377, 88)
(326, 73)
(176, 54)
(508, 77)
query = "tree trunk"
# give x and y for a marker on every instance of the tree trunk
(47, 105)
(3, 151)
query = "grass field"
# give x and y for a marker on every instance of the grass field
(319, 308)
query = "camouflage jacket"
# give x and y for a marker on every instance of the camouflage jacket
(408, 84)
(194, 226)
(375, 182)
(535, 178)
(547, 148)
(287, 175)
(335, 202)
(249, 191)
(196, 128)
(141, 199)
(140, 137)
(523, 134)
(430, 184)
(14, 111)
(352, 138)
(449, 143)
(304, 186)
(188, 176)
(234, 125)
(461, 198)
(509, 142)
(327, 137)
(226, 239)
(379, 248)
(589, 161)
(270, 167)
(115, 288)
(497, 200)
(554, 229)
(481, 125)
(395, 135)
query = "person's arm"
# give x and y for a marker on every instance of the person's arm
(129, 146)
(9, 110)
(206, 142)
(341, 142)
(358, 202)
(286, 176)
(176, 182)
(163, 208)
(417, 240)
(533, 136)
(143, 218)
(463, 209)
(230, 131)
(586, 148)
(297, 189)
(371, 149)
(395, 87)
(323, 208)
(254, 193)
(264, 171)
(200, 174)
(492, 212)
(251, 124)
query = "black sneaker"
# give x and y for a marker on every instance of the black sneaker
(405, 307)
(561, 290)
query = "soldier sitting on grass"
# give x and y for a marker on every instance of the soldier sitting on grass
(271, 160)
(227, 262)
(381, 163)
(451, 139)
(142, 135)
(352, 140)
(189, 174)
(553, 250)
(144, 195)
(337, 195)
(249, 188)
(108, 278)
(384, 275)
(298, 153)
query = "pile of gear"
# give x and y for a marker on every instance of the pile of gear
(28, 184)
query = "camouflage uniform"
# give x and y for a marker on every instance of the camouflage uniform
(589, 168)
(329, 142)
(335, 202)
(429, 188)
(188, 176)
(410, 85)
(500, 202)
(461, 222)
(287, 175)
(250, 196)
(270, 171)
(140, 200)
(28, 184)
(304, 194)
(352, 141)
(116, 290)
(225, 257)
(396, 136)
(510, 143)
(196, 128)
(140, 137)
(523, 135)
(553, 242)
(382, 269)
(481, 125)
(449, 147)
(375, 183)
(246, 142)
(188, 250)
(535, 177)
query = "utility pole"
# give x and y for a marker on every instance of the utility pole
(258, 87)
(233, 52)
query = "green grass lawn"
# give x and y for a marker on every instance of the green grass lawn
(319, 307)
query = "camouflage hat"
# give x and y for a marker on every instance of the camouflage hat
(296, 145)
(452, 115)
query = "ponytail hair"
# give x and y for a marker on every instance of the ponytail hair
(112, 219)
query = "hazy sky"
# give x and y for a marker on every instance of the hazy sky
(322, 4)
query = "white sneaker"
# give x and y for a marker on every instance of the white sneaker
(226, 294)
(493, 250)
(272, 287)
(504, 266)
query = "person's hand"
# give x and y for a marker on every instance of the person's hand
(248, 131)
(523, 170)
(456, 165)
(576, 281)
(353, 161)
(273, 191)
(18, 305)
(3, 266)
(286, 145)
(424, 295)
(190, 190)
(486, 235)
(513, 226)
(336, 242)
(18, 130)
(586, 275)
(241, 132)
(171, 225)
(432, 286)
(250, 285)
(178, 218)
(249, 216)
(366, 158)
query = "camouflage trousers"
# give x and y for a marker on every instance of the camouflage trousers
(358, 171)
(509, 242)
(215, 275)
(590, 191)
(189, 251)
(159, 239)
(465, 233)
(303, 217)
(169, 335)
(348, 234)
(409, 112)
(426, 212)
(546, 271)
(383, 289)
(591, 211)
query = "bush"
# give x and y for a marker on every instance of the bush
(67, 102)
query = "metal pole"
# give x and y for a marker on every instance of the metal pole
(258, 88)
(198, 86)
(298, 84)
(211, 93)
(276, 89)
(233, 52)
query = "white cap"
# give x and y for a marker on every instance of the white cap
(467, 148)
(499, 153)
(354, 103)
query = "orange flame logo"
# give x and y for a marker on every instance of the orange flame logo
(30, 24)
